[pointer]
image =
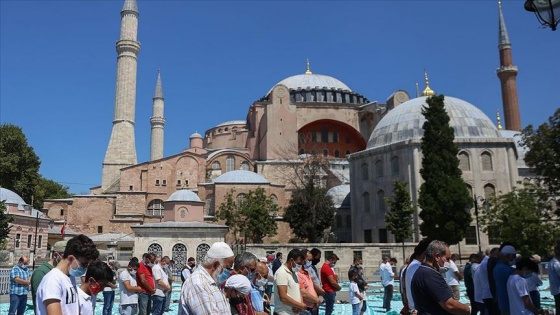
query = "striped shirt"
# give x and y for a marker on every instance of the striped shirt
(23, 274)
(200, 295)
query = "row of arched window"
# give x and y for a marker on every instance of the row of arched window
(336, 153)
(380, 168)
(179, 253)
(230, 164)
(340, 224)
(485, 161)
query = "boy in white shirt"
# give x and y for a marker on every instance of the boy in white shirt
(355, 297)
(519, 299)
(98, 276)
(57, 293)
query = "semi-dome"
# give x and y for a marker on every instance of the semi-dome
(11, 197)
(340, 195)
(405, 122)
(241, 177)
(183, 195)
(312, 80)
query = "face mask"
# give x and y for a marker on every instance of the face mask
(296, 268)
(261, 282)
(222, 275)
(315, 261)
(95, 288)
(308, 264)
(78, 272)
(333, 265)
(442, 269)
(24, 266)
(251, 274)
(132, 272)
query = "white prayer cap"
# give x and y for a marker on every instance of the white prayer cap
(240, 283)
(220, 250)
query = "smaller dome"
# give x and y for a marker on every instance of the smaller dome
(195, 135)
(241, 177)
(231, 122)
(340, 195)
(11, 197)
(183, 195)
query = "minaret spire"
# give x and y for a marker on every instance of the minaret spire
(499, 120)
(157, 121)
(121, 151)
(427, 91)
(307, 68)
(507, 74)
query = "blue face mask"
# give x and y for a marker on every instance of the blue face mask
(222, 277)
(308, 264)
(251, 275)
(78, 272)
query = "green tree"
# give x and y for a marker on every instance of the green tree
(5, 220)
(48, 189)
(443, 195)
(544, 151)
(19, 165)
(525, 218)
(399, 217)
(310, 212)
(251, 220)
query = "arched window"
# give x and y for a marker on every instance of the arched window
(381, 203)
(395, 165)
(301, 151)
(348, 221)
(324, 135)
(179, 256)
(209, 205)
(379, 168)
(156, 249)
(486, 161)
(201, 251)
(336, 153)
(230, 163)
(245, 166)
(347, 152)
(155, 208)
(365, 171)
(240, 199)
(274, 199)
(367, 206)
(489, 192)
(338, 221)
(464, 161)
(183, 213)
(216, 165)
(325, 152)
(469, 188)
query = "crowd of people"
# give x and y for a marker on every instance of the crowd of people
(499, 283)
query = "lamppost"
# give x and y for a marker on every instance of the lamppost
(486, 205)
(546, 11)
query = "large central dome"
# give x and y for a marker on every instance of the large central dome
(304, 81)
(406, 120)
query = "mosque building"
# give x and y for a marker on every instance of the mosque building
(363, 144)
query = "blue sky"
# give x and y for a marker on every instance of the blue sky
(58, 64)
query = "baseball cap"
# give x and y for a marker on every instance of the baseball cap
(536, 258)
(59, 246)
(508, 249)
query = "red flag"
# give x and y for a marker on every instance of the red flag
(62, 229)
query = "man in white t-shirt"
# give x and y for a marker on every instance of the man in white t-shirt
(162, 285)
(188, 269)
(387, 280)
(417, 259)
(57, 293)
(453, 275)
(518, 295)
(287, 294)
(129, 289)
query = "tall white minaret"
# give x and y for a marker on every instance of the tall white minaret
(157, 121)
(121, 151)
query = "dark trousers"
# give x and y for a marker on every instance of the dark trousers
(387, 296)
(557, 303)
(481, 308)
(144, 303)
(491, 307)
(330, 298)
(18, 303)
(474, 305)
(108, 300)
(536, 298)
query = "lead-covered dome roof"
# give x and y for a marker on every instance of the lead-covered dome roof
(340, 195)
(304, 81)
(183, 195)
(405, 122)
(11, 197)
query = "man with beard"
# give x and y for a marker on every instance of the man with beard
(188, 269)
(201, 293)
(38, 274)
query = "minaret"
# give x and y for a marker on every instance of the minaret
(157, 121)
(507, 74)
(121, 151)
